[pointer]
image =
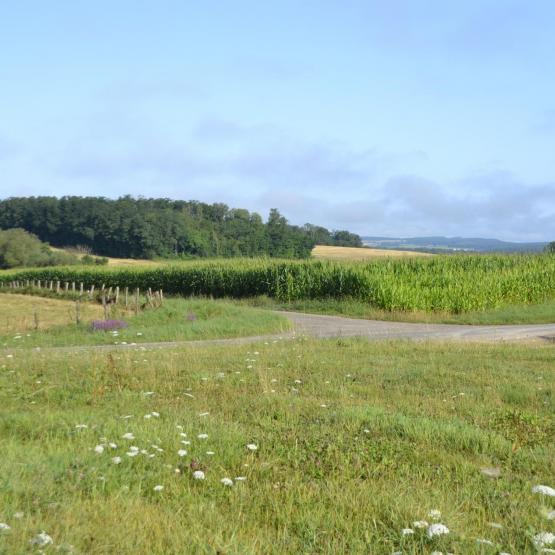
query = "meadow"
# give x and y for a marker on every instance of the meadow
(31, 321)
(448, 284)
(292, 446)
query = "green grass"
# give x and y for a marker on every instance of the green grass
(374, 437)
(175, 320)
(540, 313)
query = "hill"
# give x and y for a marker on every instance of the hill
(440, 243)
(148, 228)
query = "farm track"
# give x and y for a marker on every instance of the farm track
(326, 327)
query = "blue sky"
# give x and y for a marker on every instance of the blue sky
(397, 117)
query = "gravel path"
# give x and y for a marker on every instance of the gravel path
(315, 325)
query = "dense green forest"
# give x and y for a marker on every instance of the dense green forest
(146, 228)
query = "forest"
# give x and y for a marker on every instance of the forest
(131, 227)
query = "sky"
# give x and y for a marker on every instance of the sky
(386, 118)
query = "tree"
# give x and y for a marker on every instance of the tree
(550, 248)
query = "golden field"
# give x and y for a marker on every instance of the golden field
(325, 252)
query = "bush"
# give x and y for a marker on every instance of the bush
(20, 248)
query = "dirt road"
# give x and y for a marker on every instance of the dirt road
(313, 325)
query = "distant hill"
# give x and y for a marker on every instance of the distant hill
(453, 244)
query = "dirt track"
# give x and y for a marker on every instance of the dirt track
(334, 326)
(313, 325)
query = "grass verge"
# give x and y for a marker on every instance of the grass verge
(175, 320)
(355, 441)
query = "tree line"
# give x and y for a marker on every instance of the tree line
(131, 227)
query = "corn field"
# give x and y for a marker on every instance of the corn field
(444, 283)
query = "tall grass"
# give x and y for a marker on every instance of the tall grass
(445, 283)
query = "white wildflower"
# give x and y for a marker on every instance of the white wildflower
(434, 514)
(4, 527)
(210, 453)
(99, 449)
(227, 481)
(544, 490)
(155, 414)
(158, 488)
(81, 426)
(128, 435)
(543, 539)
(113, 445)
(550, 515)
(420, 524)
(437, 530)
(252, 447)
(202, 436)
(41, 539)
(482, 541)
(240, 478)
(407, 531)
(19, 514)
(198, 475)
(116, 460)
(182, 452)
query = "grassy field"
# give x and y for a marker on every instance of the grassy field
(176, 319)
(23, 313)
(325, 252)
(351, 442)
(538, 313)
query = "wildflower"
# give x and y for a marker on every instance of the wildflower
(81, 426)
(155, 414)
(128, 435)
(99, 449)
(182, 452)
(544, 490)
(437, 530)
(183, 434)
(204, 414)
(543, 539)
(484, 542)
(210, 453)
(202, 436)
(550, 515)
(420, 524)
(116, 460)
(495, 525)
(240, 478)
(407, 531)
(41, 539)
(227, 482)
(434, 514)
(158, 488)
(147, 416)
(113, 445)
(4, 527)
(252, 447)
(198, 475)
(19, 514)
(185, 442)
